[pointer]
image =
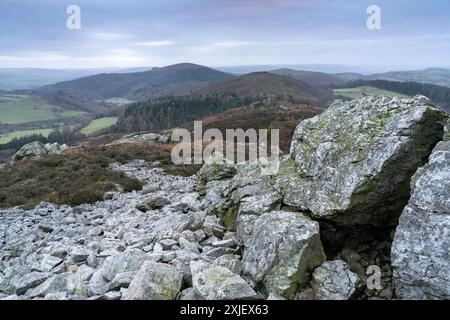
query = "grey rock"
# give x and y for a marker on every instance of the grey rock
(284, 248)
(420, 251)
(29, 281)
(333, 280)
(31, 150)
(152, 203)
(79, 254)
(129, 260)
(155, 281)
(354, 161)
(213, 282)
(56, 283)
(189, 294)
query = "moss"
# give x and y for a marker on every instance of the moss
(229, 218)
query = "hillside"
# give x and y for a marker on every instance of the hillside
(314, 79)
(358, 92)
(438, 94)
(262, 84)
(172, 80)
(437, 76)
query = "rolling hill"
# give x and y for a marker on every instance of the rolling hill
(437, 76)
(261, 84)
(314, 79)
(174, 80)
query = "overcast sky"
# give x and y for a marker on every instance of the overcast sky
(130, 33)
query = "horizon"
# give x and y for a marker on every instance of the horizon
(129, 34)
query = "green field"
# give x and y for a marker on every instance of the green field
(99, 124)
(7, 137)
(358, 92)
(23, 108)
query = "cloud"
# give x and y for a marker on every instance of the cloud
(162, 43)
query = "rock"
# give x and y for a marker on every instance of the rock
(217, 168)
(49, 262)
(30, 280)
(213, 282)
(230, 243)
(45, 228)
(121, 280)
(167, 244)
(231, 262)
(80, 254)
(152, 203)
(189, 294)
(420, 258)
(333, 280)
(129, 260)
(55, 148)
(147, 137)
(56, 283)
(31, 150)
(251, 208)
(284, 247)
(155, 281)
(187, 245)
(354, 161)
(56, 296)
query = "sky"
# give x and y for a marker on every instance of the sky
(132, 33)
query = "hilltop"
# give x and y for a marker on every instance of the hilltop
(171, 80)
(262, 84)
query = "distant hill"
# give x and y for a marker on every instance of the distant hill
(435, 76)
(174, 80)
(349, 76)
(314, 79)
(260, 84)
(31, 78)
(438, 94)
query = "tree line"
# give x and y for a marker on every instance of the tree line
(169, 112)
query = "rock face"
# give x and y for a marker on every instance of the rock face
(213, 282)
(355, 160)
(420, 251)
(284, 248)
(333, 280)
(36, 150)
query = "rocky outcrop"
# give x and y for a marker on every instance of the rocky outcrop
(420, 251)
(36, 150)
(356, 159)
(283, 249)
(147, 137)
(234, 232)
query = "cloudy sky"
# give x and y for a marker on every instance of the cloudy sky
(130, 33)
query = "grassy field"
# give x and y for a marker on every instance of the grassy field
(358, 92)
(99, 124)
(7, 137)
(22, 108)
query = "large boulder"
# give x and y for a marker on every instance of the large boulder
(33, 150)
(155, 281)
(420, 251)
(212, 282)
(283, 249)
(354, 162)
(37, 149)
